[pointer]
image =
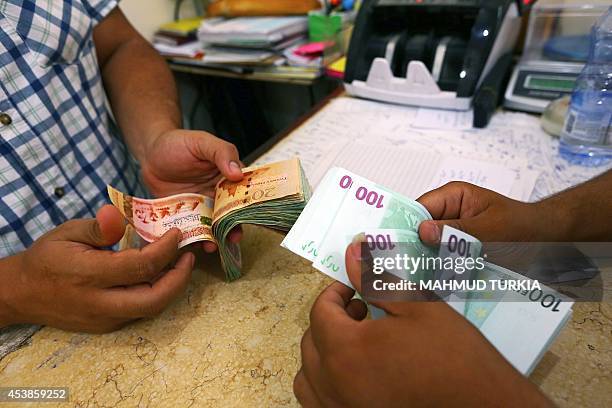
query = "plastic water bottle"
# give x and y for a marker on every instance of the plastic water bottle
(586, 138)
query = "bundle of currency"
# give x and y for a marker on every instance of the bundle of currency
(271, 195)
(521, 325)
(343, 206)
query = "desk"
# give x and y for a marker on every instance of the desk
(237, 344)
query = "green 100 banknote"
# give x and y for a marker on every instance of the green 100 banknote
(343, 206)
(346, 204)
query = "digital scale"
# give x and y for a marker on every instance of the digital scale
(533, 86)
(555, 51)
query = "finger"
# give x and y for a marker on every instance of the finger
(445, 202)
(311, 364)
(396, 303)
(209, 247)
(235, 235)
(223, 154)
(105, 230)
(355, 260)
(456, 204)
(357, 309)
(485, 226)
(134, 266)
(430, 232)
(304, 392)
(329, 320)
(111, 223)
(359, 264)
(150, 300)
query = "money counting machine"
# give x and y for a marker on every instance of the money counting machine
(446, 54)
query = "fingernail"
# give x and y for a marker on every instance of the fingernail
(179, 236)
(435, 232)
(359, 238)
(355, 248)
(234, 166)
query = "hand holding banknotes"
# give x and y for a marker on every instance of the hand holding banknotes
(488, 216)
(66, 280)
(188, 161)
(420, 354)
(483, 213)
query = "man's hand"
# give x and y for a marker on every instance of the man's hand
(582, 213)
(144, 99)
(484, 214)
(421, 354)
(188, 161)
(65, 280)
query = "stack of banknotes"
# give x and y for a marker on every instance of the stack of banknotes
(272, 195)
(345, 205)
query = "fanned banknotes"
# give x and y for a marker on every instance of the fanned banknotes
(346, 204)
(271, 195)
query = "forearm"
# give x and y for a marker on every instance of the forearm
(140, 87)
(8, 268)
(582, 213)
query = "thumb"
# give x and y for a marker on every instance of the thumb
(355, 257)
(430, 232)
(105, 230)
(358, 258)
(111, 225)
(223, 154)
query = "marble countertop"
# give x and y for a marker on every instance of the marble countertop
(237, 344)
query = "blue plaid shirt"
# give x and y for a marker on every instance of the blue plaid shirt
(57, 150)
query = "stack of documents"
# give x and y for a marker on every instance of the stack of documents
(245, 45)
(253, 46)
(177, 32)
(252, 32)
(346, 204)
(189, 50)
(312, 54)
(238, 56)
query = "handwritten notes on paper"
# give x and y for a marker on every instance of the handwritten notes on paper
(443, 119)
(512, 140)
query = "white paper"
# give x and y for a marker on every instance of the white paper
(488, 175)
(270, 29)
(233, 55)
(413, 172)
(443, 119)
(514, 140)
(188, 50)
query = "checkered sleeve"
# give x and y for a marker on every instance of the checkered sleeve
(98, 9)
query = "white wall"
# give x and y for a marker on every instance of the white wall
(148, 15)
